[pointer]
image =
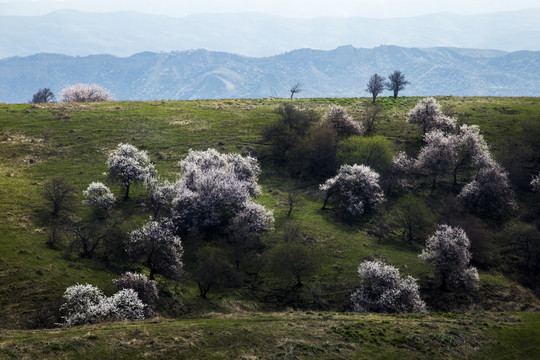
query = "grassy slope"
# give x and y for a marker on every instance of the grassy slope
(38, 142)
(288, 335)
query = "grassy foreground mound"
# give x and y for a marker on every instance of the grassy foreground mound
(289, 335)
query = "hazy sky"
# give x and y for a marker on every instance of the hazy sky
(290, 8)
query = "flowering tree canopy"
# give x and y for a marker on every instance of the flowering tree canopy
(438, 155)
(489, 194)
(448, 251)
(339, 119)
(127, 164)
(427, 113)
(85, 93)
(214, 188)
(356, 187)
(159, 196)
(86, 304)
(383, 290)
(99, 196)
(159, 247)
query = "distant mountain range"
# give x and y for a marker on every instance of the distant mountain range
(250, 34)
(343, 72)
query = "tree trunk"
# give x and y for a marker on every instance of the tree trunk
(127, 193)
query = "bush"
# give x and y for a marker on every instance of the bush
(85, 93)
(290, 128)
(375, 152)
(211, 270)
(315, 154)
(294, 259)
(383, 290)
(338, 118)
(145, 288)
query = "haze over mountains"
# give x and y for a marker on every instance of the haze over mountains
(343, 72)
(145, 57)
(126, 33)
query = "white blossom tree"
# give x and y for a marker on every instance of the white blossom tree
(438, 155)
(127, 165)
(99, 196)
(383, 290)
(427, 113)
(213, 189)
(356, 187)
(490, 193)
(245, 228)
(124, 305)
(85, 93)
(159, 196)
(535, 183)
(471, 148)
(86, 304)
(448, 250)
(145, 288)
(402, 167)
(83, 304)
(339, 119)
(159, 247)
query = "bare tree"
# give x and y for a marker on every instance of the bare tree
(296, 88)
(60, 193)
(375, 86)
(396, 82)
(43, 96)
(371, 116)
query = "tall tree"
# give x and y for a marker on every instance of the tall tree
(375, 85)
(396, 82)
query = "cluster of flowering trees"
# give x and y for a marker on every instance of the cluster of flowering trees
(383, 290)
(86, 304)
(212, 199)
(213, 195)
(450, 149)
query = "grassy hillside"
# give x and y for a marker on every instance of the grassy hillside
(38, 142)
(289, 335)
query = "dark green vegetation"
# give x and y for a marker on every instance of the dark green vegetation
(39, 142)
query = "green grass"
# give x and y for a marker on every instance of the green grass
(73, 140)
(288, 335)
